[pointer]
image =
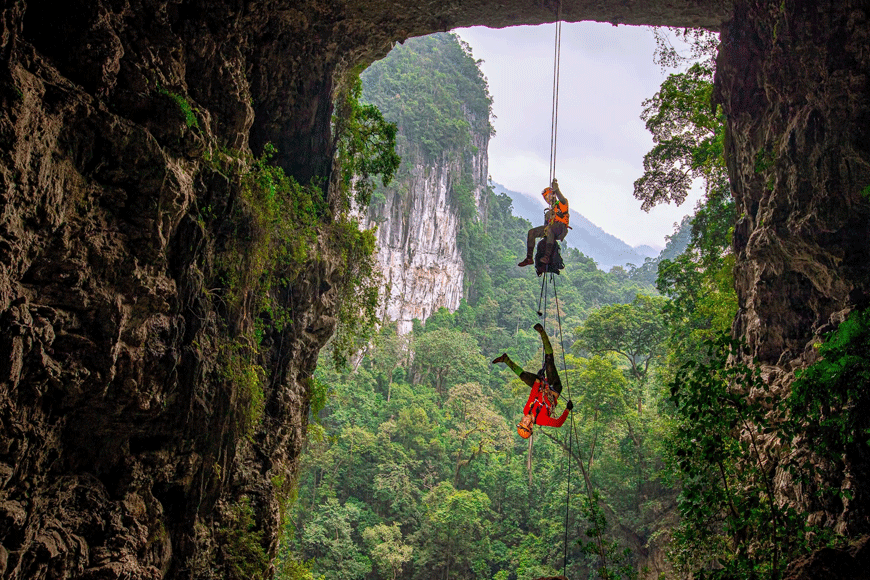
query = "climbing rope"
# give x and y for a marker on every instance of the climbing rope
(570, 431)
(549, 278)
(543, 296)
(554, 119)
(554, 125)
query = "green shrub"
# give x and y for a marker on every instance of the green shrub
(186, 109)
(242, 543)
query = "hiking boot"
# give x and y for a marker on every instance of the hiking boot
(538, 327)
(525, 262)
(501, 358)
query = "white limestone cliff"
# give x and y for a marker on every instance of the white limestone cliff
(418, 226)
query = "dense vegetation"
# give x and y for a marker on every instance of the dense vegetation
(430, 87)
(732, 438)
(414, 469)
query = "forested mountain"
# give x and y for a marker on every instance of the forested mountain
(435, 94)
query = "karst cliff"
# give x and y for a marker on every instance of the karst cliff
(141, 433)
(441, 184)
(417, 250)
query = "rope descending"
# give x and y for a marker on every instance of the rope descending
(554, 119)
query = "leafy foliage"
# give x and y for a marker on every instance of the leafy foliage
(634, 331)
(728, 470)
(183, 105)
(387, 548)
(429, 87)
(242, 542)
(613, 560)
(359, 296)
(366, 144)
(831, 398)
(688, 138)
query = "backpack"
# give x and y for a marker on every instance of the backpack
(556, 263)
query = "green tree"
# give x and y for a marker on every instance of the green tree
(601, 399)
(688, 131)
(447, 356)
(329, 538)
(478, 429)
(634, 331)
(389, 353)
(454, 533)
(689, 135)
(366, 145)
(387, 549)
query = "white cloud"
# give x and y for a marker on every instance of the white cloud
(606, 74)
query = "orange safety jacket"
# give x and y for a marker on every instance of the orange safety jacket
(560, 210)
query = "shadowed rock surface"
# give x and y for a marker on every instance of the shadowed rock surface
(793, 81)
(125, 450)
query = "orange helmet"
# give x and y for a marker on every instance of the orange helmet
(525, 427)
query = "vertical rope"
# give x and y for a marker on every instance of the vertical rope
(567, 502)
(529, 460)
(570, 431)
(544, 324)
(555, 111)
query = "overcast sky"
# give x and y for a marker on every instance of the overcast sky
(606, 73)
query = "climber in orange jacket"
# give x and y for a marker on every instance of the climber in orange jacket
(555, 226)
(546, 388)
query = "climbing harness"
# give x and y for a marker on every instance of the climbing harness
(560, 213)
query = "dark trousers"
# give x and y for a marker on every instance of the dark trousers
(555, 232)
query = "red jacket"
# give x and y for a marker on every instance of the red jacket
(537, 406)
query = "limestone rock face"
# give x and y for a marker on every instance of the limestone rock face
(417, 235)
(417, 251)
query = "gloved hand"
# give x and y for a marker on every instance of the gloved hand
(555, 184)
(570, 405)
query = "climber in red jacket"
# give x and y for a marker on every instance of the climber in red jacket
(546, 388)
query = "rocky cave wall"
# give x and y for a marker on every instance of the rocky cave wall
(122, 452)
(793, 80)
